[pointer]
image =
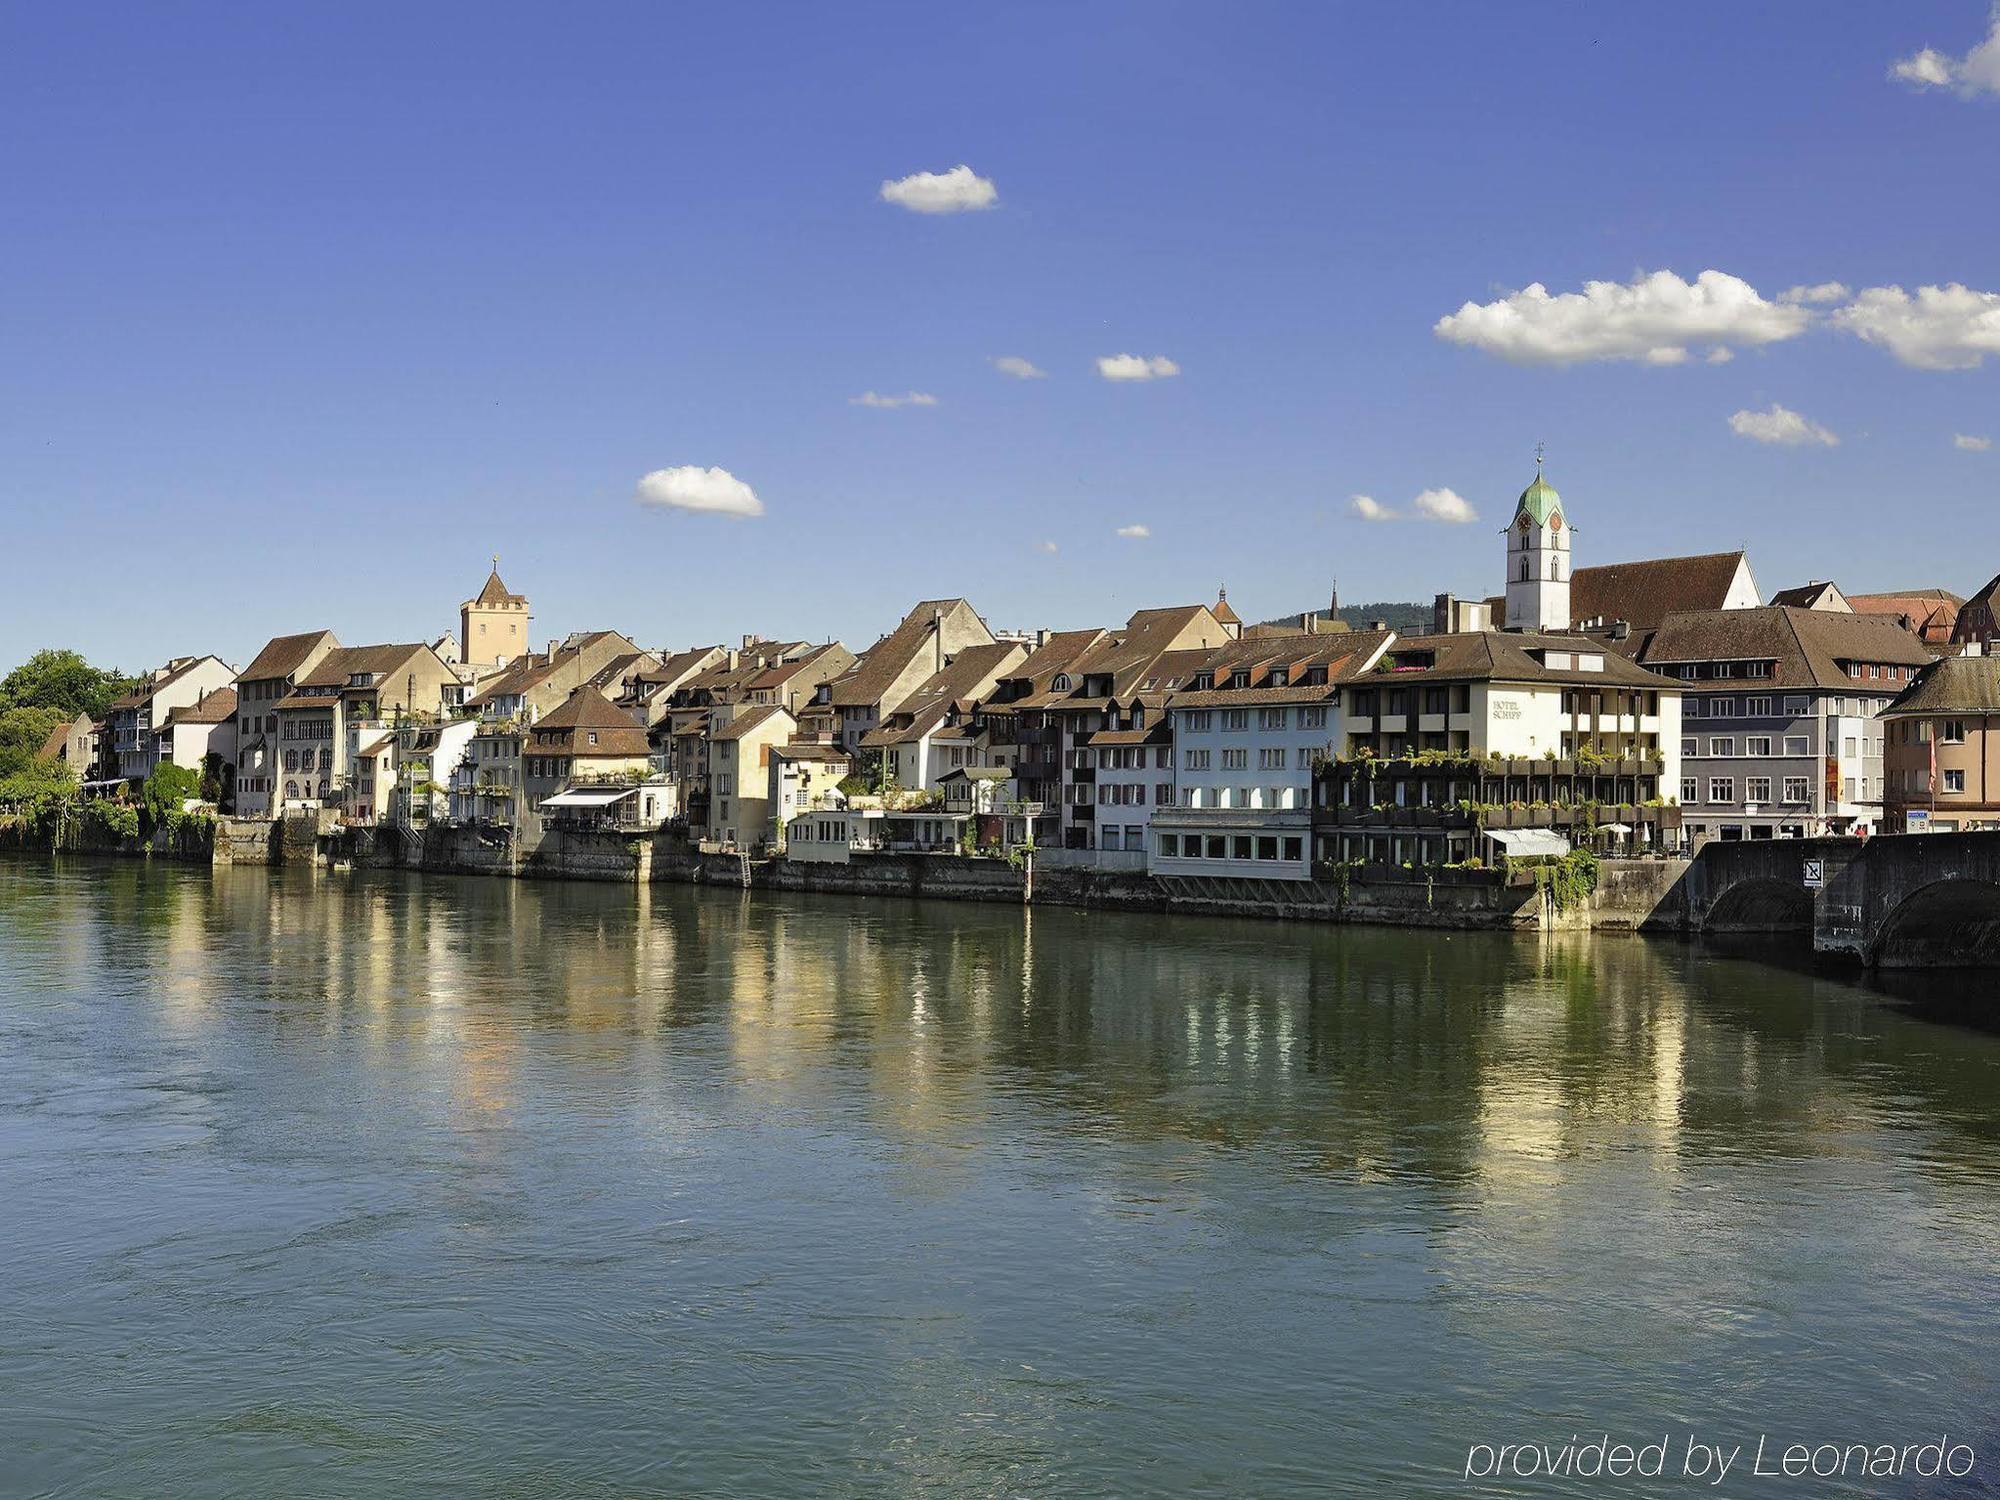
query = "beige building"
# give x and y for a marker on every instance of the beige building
(352, 692)
(740, 815)
(1941, 749)
(134, 722)
(493, 625)
(892, 669)
(582, 766)
(260, 687)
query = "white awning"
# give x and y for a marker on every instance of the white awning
(1528, 842)
(594, 796)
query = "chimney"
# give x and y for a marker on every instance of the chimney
(731, 658)
(1378, 624)
(749, 641)
(1308, 623)
(1444, 615)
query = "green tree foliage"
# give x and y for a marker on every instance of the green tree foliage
(168, 787)
(36, 784)
(22, 734)
(64, 683)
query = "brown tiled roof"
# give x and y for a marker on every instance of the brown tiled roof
(496, 592)
(282, 655)
(343, 662)
(159, 682)
(567, 728)
(1952, 684)
(1156, 733)
(1803, 646)
(307, 700)
(58, 737)
(1126, 655)
(586, 708)
(777, 676)
(882, 663)
(811, 750)
(217, 707)
(1221, 610)
(746, 721)
(1644, 593)
(1504, 656)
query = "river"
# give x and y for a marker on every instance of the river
(325, 1185)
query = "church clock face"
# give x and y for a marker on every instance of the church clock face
(1556, 522)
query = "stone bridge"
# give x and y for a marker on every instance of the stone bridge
(1908, 901)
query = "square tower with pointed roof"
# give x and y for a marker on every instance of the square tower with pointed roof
(493, 626)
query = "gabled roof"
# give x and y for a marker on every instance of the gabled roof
(1814, 595)
(1804, 646)
(58, 739)
(1506, 656)
(283, 654)
(885, 661)
(160, 681)
(344, 661)
(1125, 655)
(777, 676)
(217, 707)
(1952, 684)
(1644, 593)
(749, 719)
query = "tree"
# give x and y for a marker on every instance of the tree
(23, 731)
(36, 784)
(168, 787)
(64, 682)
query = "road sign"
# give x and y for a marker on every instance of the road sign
(1815, 874)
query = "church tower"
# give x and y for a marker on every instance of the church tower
(493, 628)
(1538, 561)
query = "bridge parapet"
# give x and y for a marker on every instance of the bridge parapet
(1898, 900)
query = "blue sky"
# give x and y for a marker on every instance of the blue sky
(306, 312)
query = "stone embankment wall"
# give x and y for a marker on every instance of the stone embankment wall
(1630, 893)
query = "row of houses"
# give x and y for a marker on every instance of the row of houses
(1632, 707)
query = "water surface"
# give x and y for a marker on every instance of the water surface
(318, 1185)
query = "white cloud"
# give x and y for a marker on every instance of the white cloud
(1049, 547)
(1136, 367)
(1940, 328)
(1978, 72)
(1019, 368)
(1966, 442)
(1430, 505)
(1443, 505)
(912, 398)
(1652, 318)
(1135, 531)
(691, 487)
(1822, 291)
(1721, 354)
(1781, 425)
(950, 192)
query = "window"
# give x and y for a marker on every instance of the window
(1690, 789)
(1163, 794)
(1954, 732)
(1240, 846)
(1267, 847)
(1722, 788)
(1757, 744)
(1797, 707)
(1954, 781)
(1197, 721)
(1235, 760)
(1271, 759)
(1194, 760)
(1722, 708)
(1236, 718)
(1312, 718)
(1757, 669)
(1170, 845)
(1272, 718)
(1798, 790)
(1847, 747)
(1798, 744)
(1848, 793)
(1757, 708)
(1722, 745)
(1757, 789)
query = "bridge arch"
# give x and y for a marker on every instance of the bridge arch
(1949, 923)
(1759, 903)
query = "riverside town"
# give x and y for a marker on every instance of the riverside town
(1495, 765)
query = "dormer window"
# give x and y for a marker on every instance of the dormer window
(1239, 678)
(1062, 683)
